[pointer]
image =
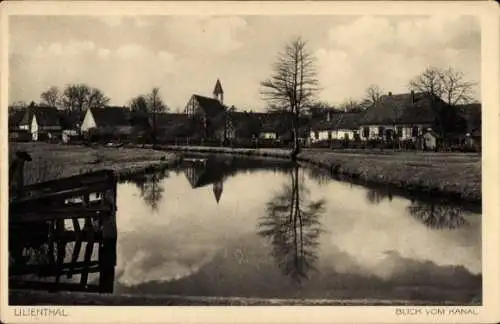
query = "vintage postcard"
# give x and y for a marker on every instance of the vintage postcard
(247, 162)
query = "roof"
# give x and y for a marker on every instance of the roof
(72, 119)
(212, 107)
(472, 115)
(111, 116)
(45, 116)
(338, 121)
(16, 117)
(400, 109)
(218, 88)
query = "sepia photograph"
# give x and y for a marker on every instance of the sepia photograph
(232, 158)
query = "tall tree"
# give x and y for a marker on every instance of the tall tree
(456, 90)
(155, 106)
(293, 83)
(51, 97)
(349, 105)
(80, 97)
(448, 86)
(139, 104)
(373, 93)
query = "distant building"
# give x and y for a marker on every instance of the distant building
(336, 126)
(209, 112)
(403, 116)
(108, 120)
(42, 122)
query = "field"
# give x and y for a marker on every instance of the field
(455, 174)
(52, 161)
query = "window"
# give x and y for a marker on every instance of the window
(414, 131)
(381, 130)
(330, 135)
(366, 132)
(316, 135)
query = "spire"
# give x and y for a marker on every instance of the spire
(218, 190)
(218, 92)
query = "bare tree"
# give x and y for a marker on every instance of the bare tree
(373, 93)
(96, 99)
(293, 83)
(349, 105)
(444, 86)
(155, 106)
(80, 97)
(139, 104)
(456, 90)
(51, 97)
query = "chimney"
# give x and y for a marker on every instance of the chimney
(412, 97)
(390, 93)
(327, 116)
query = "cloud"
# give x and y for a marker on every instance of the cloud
(208, 35)
(388, 52)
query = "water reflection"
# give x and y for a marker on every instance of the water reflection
(291, 223)
(376, 195)
(150, 187)
(437, 215)
(201, 173)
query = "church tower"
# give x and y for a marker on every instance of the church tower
(217, 188)
(218, 92)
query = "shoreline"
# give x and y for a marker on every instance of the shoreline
(38, 298)
(414, 173)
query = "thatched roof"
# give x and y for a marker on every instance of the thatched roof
(338, 121)
(45, 116)
(111, 116)
(404, 108)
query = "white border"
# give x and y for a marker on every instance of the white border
(489, 14)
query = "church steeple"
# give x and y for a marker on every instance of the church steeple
(217, 188)
(218, 92)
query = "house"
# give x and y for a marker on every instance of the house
(276, 126)
(243, 125)
(471, 113)
(169, 126)
(336, 126)
(209, 112)
(15, 119)
(42, 122)
(108, 120)
(404, 116)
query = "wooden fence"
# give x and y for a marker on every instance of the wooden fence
(57, 227)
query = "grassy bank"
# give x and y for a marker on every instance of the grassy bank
(53, 161)
(455, 175)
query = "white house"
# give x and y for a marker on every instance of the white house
(114, 120)
(337, 126)
(42, 122)
(405, 116)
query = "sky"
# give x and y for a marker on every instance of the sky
(125, 56)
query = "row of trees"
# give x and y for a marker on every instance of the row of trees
(293, 86)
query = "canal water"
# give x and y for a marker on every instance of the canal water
(251, 228)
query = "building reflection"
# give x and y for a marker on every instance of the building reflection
(437, 215)
(204, 172)
(291, 223)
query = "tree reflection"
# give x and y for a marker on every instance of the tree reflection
(292, 226)
(376, 195)
(150, 187)
(437, 216)
(320, 176)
